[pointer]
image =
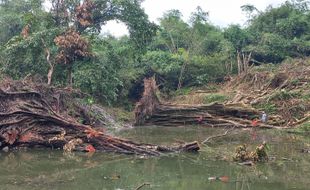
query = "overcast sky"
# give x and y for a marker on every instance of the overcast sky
(221, 12)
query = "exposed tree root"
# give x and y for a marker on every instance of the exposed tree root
(32, 118)
(213, 115)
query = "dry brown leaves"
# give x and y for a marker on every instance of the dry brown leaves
(72, 46)
(83, 13)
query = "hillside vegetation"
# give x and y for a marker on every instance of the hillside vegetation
(282, 91)
(64, 46)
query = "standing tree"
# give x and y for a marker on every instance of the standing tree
(56, 36)
(72, 47)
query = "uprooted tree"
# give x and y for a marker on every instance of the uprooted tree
(150, 111)
(36, 115)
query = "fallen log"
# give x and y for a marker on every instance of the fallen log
(150, 111)
(30, 116)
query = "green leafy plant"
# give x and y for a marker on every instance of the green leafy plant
(267, 107)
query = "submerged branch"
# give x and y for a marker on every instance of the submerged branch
(216, 136)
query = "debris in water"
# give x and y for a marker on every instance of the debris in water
(259, 155)
(90, 148)
(6, 149)
(224, 179)
(113, 177)
(304, 150)
(248, 163)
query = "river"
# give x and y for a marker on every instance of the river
(53, 170)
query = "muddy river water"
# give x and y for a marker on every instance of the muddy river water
(288, 168)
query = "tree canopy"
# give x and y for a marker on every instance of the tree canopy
(64, 45)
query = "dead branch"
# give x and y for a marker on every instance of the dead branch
(216, 136)
(142, 185)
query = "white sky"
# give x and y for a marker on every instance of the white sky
(221, 12)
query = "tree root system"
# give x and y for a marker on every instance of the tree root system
(33, 115)
(150, 111)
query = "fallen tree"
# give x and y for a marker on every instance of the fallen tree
(37, 115)
(150, 111)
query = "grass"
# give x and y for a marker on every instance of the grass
(302, 129)
(306, 96)
(267, 67)
(305, 127)
(183, 91)
(121, 115)
(267, 107)
(284, 95)
(211, 98)
(188, 90)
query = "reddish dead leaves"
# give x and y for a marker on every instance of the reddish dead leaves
(224, 179)
(29, 137)
(83, 13)
(13, 135)
(72, 46)
(10, 136)
(255, 123)
(90, 148)
(92, 133)
(25, 31)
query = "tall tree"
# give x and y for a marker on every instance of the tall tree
(74, 18)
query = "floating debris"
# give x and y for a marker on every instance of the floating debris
(224, 179)
(245, 157)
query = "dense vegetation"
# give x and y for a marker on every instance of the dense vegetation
(63, 46)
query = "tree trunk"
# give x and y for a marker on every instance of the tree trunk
(181, 75)
(239, 63)
(243, 62)
(49, 75)
(51, 65)
(70, 79)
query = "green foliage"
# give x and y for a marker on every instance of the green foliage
(99, 76)
(183, 91)
(199, 50)
(281, 32)
(305, 127)
(172, 33)
(267, 68)
(121, 115)
(211, 98)
(31, 59)
(237, 36)
(306, 96)
(130, 12)
(284, 95)
(268, 107)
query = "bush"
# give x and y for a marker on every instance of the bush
(99, 76)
